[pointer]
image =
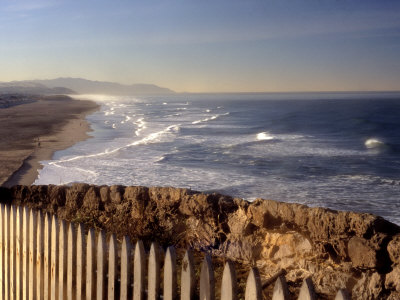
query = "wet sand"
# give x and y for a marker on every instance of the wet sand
(30, 133)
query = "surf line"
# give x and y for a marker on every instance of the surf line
(145, 140)
(209, 118)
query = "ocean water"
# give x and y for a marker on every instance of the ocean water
(340, 151)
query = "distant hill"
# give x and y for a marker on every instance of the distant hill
(84, 86)
(9, 100)
(32, 88)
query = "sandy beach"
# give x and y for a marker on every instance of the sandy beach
(32, 132)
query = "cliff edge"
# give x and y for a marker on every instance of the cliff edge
(357, 251)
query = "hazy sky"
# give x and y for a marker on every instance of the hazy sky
(206, 46)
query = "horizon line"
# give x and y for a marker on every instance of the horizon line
(216, 92)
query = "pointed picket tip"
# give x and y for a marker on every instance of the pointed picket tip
(229, 282)
(18, 253)
(47, 256)
(90, 264)
(307, 290)
(139, 272)
(33, 228)
(153, 286)
(80, 261)
(54, 258)
(101, 259)
(62, 253)
(39, 254)
(342, 294)
(281, 291)
(71, 261)
(253, 286)
(170, 274)
(188, 280)
(125, 268)
(207, 284)
(112, 267)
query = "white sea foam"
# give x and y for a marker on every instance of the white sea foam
(209, 118)
(160, 159)
(141, 124)
(151, 138)
(265, 136)
(95, 97)
(373, 143)
(156, 136)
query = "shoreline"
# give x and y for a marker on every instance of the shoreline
(61, 127)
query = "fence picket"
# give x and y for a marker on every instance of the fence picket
(62, 262)
(25, 253)
(281, 291)
(18, 253)
(80, 262)
(153, 286)
(188, 279)
(33, 228)
(112, 267)
(46, 257)
(90, 265)
(13, 217)
(170, 274)
(41, 259)
(2, 249)
(229, 285)
(71, 262)
(207, 285)
(139, 272)
(2, 277)
(39, 256)
(7, 212)
(307, 290)
(101, 266)
(253, 286)
(342, 294)
(54, 259)
(126, 261)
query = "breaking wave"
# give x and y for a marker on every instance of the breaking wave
(214, 117)
(265, 136)
(374, 143)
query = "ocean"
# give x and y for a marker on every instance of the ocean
(335, 150)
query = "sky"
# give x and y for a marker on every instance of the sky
(206, 45)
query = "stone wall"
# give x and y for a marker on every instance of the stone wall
(338, 249)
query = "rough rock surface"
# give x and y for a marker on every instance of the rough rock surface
(357, 251)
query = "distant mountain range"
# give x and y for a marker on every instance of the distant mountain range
(79, 86)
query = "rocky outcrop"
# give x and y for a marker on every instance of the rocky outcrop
(338, 249)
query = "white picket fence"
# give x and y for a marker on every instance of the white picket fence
(42, 257)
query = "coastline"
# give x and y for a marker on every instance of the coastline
(48, 125)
